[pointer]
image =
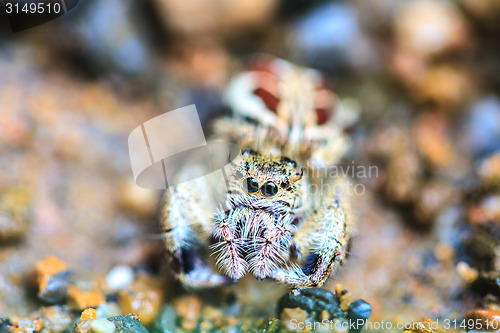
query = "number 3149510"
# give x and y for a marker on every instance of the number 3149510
(33, 8)
(472, 324)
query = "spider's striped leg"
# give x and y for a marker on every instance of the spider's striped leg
(229, 245)
(249, 135)
(271, 248)
(331, 143)
(322, 240)
(186, 218)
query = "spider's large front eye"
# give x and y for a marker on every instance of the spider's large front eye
(251, 185)
(269, 189)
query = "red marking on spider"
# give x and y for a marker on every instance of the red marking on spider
(267, 90)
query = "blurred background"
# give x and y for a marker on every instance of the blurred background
(426, 77)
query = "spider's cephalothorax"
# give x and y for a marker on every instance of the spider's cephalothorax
(283, 217)
(255, 232)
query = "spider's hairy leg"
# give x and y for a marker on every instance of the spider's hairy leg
(233, 130)
(331, 145)
(323, 239)
(229, 245)
(270, 251)
(261, 138)
(187, 223)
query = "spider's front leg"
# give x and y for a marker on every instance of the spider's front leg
(186, 219)
(229, 245)
(268, 256)
(322, 239)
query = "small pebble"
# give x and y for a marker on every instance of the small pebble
(359, 310)
(83, 327)
(291, 319)
(165, 322)
(485, 211)
(80, 299)
(123, 49)
(47, 267)
(52, 277)
(128, 324)
(53, 318)
(208, 18)
(431, 133)
(15, 205)
(331, 27)
(4, 324)
(232, 321)
(39, 325)
(88, 313)
(444, 252)
(486, 319)
(324, 315)
(468, 273)
(489, 172)
(482, 129)
(137, 200)
(188, 308)
(343, 296)
(102, 326)
(11, 228)
(213, 315)
(107, 309)
(430, 27)
(119, 277)
(143, 297)
(448, 87)
(26, 324)
(271, 325)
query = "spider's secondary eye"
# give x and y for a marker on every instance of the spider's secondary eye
(238, 174)
(289, 161)
(285, 184)
(269, 189)
(248, 152)
(251, 185)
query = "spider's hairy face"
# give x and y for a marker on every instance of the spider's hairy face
(272, 178)
(256, 230)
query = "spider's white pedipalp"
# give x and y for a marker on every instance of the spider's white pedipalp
(229, 259)
(270, 251)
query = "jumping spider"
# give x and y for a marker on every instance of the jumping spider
(273, 224)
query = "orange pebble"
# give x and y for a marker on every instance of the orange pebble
(79, 299)
(47, 267)
(88, 313)
(39, 324)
